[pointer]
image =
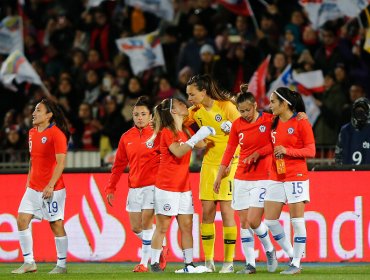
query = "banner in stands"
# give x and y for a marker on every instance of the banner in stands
(338, 222)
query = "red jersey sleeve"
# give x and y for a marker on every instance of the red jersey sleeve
(232, 144)
(119, 165)
(309, 149)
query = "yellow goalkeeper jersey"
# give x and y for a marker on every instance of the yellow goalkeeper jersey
(220, 112)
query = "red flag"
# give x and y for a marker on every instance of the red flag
(257, 84)
(239, 7)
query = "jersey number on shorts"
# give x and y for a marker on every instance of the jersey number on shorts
(52, 207)
(297, 188)
(262, 195)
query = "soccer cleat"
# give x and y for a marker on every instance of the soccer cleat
(140, 268)
(163, 258)
(272, 262)
(191, 268)
(248, 269)
(156, 268)
(210, 265)
(227, 268)
(25, 268)
(292, 269)
(58, 270)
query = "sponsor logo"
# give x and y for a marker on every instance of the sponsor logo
(105, 239)
(167, 207)
(218, 118)
(262, 128)
(290, 130)
(44, 139)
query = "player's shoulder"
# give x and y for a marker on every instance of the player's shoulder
(225, 104)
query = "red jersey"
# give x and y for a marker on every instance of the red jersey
(297, 138)
(141, 156)
(173, 172)
(43, 147)
(251, 137)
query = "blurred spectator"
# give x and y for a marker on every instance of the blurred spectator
(353, 146)
(276, 68)
(328, 55)
(331, 104)
(215, 66)
(132, 92)
(13, 143)
(92, 88)
(356, 91)
(164, 89)
(86, 134)
(189, 54)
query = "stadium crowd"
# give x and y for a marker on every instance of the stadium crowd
(73, 49)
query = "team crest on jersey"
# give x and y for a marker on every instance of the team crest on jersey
(218, 118)
(262, 128)
(290, 130)
(167, 207)
(149, 144)
(44, 139)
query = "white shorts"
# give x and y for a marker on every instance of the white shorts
(51, 209)
(140, 198)
(173, 203)
(289, 192)
(249, 193)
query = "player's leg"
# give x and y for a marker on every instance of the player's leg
(29, 208)
(273, 205)
(186, 228)
(208, 231)
(162, 225)
(229, 234)
(257, 195)
(54, 213)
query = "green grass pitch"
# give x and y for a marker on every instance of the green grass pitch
(97, 271)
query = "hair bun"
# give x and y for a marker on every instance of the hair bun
(244, 87)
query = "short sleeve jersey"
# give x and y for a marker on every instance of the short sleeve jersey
(252, 137)
(43, 148)
(294, 134)
(220, 112)
(173, 172)
(142, 157)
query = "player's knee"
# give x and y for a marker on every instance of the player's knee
(22, 223)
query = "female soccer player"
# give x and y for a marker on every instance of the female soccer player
(143, 159)
(293, 142)
(213, 107)
(172, 192)
(45, 191)
(252, 132)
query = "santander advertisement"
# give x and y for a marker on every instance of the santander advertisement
(337, 218)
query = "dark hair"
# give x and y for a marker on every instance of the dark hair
(205, 82)
(293, 97)
(163, 117)
(58, 116)
(245, 95)
(144, 101)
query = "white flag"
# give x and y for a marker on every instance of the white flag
(288, 79)
(11, 37)
(93, 3)
(161, 8)
(16, 67)
(144, 51)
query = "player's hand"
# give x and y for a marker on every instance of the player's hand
(216, 185)
(251, 158)
(226, 126)
(47, 192)
(110, 198)
(302, 116)
(279, 151)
